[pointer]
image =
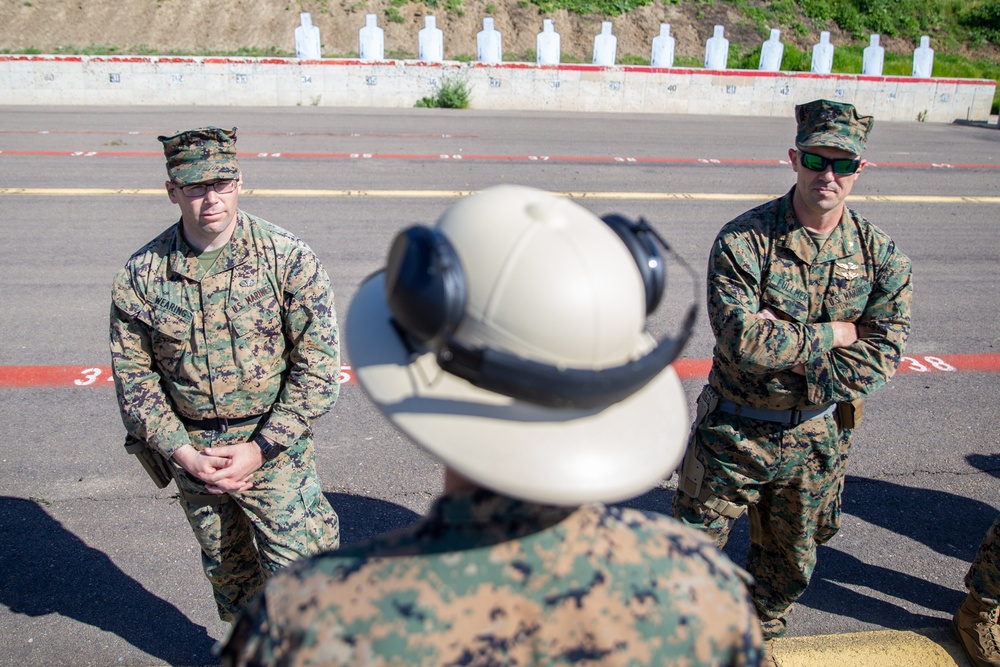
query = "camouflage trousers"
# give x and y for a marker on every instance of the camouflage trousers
(790, 479)
(983, 578)
(247, 536)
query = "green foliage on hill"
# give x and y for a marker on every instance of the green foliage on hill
(954, 25)
(955, 22)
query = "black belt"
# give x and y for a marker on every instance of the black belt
(221, 424)
(790, 417)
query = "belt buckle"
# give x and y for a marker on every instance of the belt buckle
(796, 417)
(223, 424)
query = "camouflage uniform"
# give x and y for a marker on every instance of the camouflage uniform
(488, 580)
(255, 335)
(983, 578)
(790, 476)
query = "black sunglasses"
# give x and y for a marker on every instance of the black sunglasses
(841, 166)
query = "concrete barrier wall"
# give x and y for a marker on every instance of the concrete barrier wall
(210, 81)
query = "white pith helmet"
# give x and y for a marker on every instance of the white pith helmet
(543, 283)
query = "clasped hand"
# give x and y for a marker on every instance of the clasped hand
(223, 469)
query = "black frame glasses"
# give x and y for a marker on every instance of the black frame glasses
(841, 166)
(224, 186)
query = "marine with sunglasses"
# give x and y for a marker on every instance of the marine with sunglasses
(225, 350)
(810, 307)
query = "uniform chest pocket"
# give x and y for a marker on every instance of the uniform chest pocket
(171, 337)
(258, 318)
(787, 300)
(846, 301)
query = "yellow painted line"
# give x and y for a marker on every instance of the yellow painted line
(454, 194)
(930, 647)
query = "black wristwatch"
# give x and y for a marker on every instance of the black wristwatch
(268, 449)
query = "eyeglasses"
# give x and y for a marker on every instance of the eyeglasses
(841, 166)
(201, 189)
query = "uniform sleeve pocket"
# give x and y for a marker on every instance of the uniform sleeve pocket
(793, 305)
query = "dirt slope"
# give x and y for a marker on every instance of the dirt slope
(193, 26)
(196, 25)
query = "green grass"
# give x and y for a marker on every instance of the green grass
(951, 24)
(452, 93)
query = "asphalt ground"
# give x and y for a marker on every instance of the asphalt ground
(97, 567)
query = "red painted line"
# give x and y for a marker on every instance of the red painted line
(492, 158)
(30, 377)
(691, 369)
(132, 133)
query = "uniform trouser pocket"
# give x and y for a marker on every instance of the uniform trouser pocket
(283, 517)
(291, 517)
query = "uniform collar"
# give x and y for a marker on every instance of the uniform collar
(843, 241)
(183, 260)
(487, 508)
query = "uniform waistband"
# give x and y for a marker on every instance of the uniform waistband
(221, 424)
(790, 417)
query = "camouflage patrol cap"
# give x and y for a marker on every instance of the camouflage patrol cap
(200, 155)
(833, 124)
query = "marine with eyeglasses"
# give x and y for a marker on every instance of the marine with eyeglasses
(225, 350)
(810, 307)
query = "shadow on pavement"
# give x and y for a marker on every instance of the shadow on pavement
(362, 518)
(836, 570)
(946, 523)
(949, 524)
(49, 570)
(986, 462)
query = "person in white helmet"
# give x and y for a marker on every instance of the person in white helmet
(509, 342)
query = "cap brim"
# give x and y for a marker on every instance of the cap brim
(548, 455)
(823, 142)
(204, 171)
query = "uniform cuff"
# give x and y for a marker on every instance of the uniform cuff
(284, 428)
(168, 443)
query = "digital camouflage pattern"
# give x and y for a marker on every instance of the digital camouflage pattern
(790, 479)
(201, 155)
(983, 578)
(221, 345)
(282, 518)
(832, 124)
(255, 334)
(765, 258)
(488, 580)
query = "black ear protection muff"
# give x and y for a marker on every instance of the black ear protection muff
(424, 283)
(426, 294)
(638, 238)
